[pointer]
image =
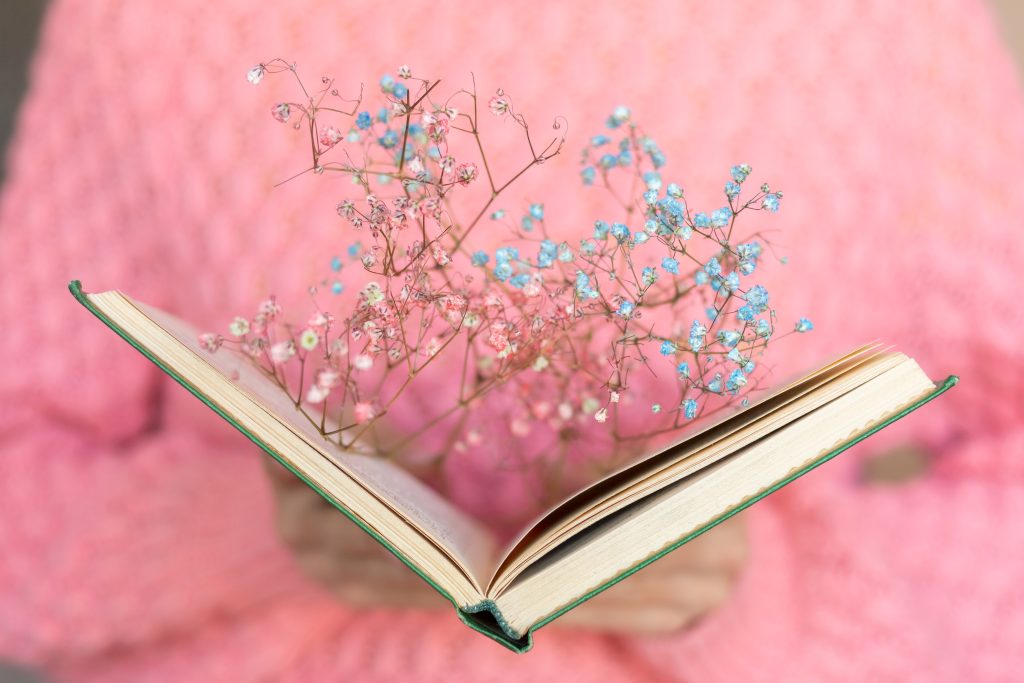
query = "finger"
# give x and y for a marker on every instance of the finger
(637, 620)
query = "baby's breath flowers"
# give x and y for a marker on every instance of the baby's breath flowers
(549, 332)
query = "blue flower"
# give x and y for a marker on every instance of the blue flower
(804, 325)
(757, 298)
(683, 369)
(674, 191)
(354, 249)
(732, 190)
(480, 258)
(626, 308)
(650, 196)
(618, 117)
(620, 232)
(336, 264)
(389, 139)
(746, 313)
(701, 220)
(729, 338)
(670, 265)
(715, 385)
(697, 332)
(625, 158)
(649, 276)
(564, 253)
(399, 91)
(537, 211)
(608, 161)
(547, 255)
(652, 179)
(588, 247)
(583, 288)
(503, 271)
(364, 120)
(526, 223)
(600, 230)
(588, 174)
(739, 173)
(337, 287)
(701, 278)
(599, 140)
(771, 202)
(737, 380)
(519, 281)
(387, 82)
(713, 267)
(667, 348)
(498, 215)
(763, 328)
(690, 408)
(721, 217)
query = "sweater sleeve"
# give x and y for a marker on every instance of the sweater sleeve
(94, 494)
(72, 207)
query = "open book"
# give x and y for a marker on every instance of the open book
(589, 541)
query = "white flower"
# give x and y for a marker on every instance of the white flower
(308, 339)
(601, 415)
(239, 326)
(565, 410)
(615, 397)
(373, 293)
(404, 71)
(255, 74)
(363, 362)
(540, 364)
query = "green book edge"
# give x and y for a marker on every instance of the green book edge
(485, 617)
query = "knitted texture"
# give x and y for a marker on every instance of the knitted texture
(137, 539)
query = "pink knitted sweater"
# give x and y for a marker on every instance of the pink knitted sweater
(136, 541)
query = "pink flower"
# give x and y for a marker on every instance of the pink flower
(330, 136)
(437, 125)
(466, 173)
(498, 338)
(317, 394)
(364, 412)
(327, 378)
(281, 112)
(282, 351)
(440, 255)
(320, 321)
(269, 309)
(210, 342)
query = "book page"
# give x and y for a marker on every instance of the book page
(466, 542)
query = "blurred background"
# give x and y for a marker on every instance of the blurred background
(19, 20)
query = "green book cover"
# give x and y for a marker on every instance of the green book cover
(485, 617)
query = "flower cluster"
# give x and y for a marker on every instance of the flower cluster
(548, 330)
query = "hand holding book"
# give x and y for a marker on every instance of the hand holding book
(668, 596)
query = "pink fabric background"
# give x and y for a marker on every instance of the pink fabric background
(136, 541)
